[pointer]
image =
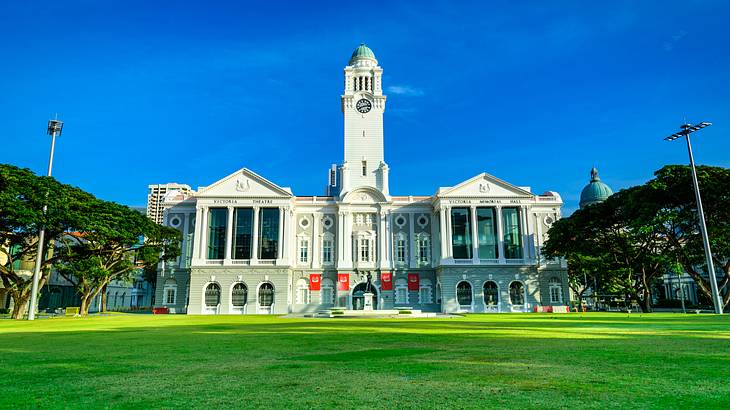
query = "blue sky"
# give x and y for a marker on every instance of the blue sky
(534, 93)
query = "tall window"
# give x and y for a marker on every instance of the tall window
(487, 232)
(266, 295)
(463, 293)
(212, 295)
(365, 249)
(400, 248)
(364, 168)
(243, 234)
(401, 292)
(327, 292)
(556, 290)
(327, 244)
(425, 292)
(491, 293)
(517, 293)
(302, 292)
(423, 246)
(461, 233)
(512, 234)
(217, 219)
(239, 295)
(268, 233)
(303, 250)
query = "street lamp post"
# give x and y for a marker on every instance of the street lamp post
(54, 128)
(686, 131)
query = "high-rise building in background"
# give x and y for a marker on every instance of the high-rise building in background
(159, 194)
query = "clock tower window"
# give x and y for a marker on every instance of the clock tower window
(364, 168)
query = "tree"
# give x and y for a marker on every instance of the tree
(672, 194)
(22, 197)
(113, 242)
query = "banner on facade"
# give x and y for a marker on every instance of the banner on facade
(343, 281)
(314, 281)
(413, 282)
(386, 281)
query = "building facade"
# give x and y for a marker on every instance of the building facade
(159, 194)
(251, 246)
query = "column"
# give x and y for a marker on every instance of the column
(280, 233)
(348, 257)
(443, 245)
(198, 235)
(526, 247)
(449, 234)
(474, 235)
(383, 234)
(255, 239)
(340, 239)
(315, 251)
(435, 245)
(500, 235)
(204, 234)
(289, 229)
(229, 236)
(411, 242)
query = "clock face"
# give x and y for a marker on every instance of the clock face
(363, 106)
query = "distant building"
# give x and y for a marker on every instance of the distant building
(595, 192)
(158, 194)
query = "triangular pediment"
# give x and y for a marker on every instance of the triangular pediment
(484, 186)
(242, 184)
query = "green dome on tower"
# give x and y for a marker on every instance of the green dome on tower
(595, 192)
(362, 51)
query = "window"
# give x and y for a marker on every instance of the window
(365, 249)
(212, 295)
(266, 295)
(169, 296)
(302, 292)
(239, 295)
(461, 233)
(169, 292)
(463, 293)
(517, 293)
(512, 234)
(243, 233)
(303, 250)
(487, 233)
(491, 294)
(425, 292)
(327, 243)
(217, 220)
(364, 168)
(268, 233)
(423, 247)
(556, 290)
(327, 292)
(401, 292)
(400, 248)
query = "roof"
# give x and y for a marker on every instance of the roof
(595, 192)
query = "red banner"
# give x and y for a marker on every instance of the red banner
(343, 281)
(314, 281)
(413, 282)
(386, 281)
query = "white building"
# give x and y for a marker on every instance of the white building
(252, 246)
(159, 194)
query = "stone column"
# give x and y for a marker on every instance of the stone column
(198, 233)
(500, 235)
(229, 236)
(348, 257)
(443, 244)
(280, 233)
(474, 235)
(255, 237)
(316, 253)
(340, 239)
(435, 245)
(204, 234)
(411, 242)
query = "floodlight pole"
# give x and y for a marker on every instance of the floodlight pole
(54, 128)
(688, 129)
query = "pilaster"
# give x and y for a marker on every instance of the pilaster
(255, 239)
(229, 236)
(500, 235)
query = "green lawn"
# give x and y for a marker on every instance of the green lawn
(479, 361)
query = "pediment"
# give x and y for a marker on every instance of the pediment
(242, 184)
(484, 186)
(364, 195)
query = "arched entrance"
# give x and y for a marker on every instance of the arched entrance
(358, 296)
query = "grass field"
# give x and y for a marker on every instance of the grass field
(479, 361)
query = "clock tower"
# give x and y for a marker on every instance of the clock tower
(363, 104)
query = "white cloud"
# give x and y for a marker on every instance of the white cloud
(405, 90)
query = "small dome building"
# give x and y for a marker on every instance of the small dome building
(595, 192)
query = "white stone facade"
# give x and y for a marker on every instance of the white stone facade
(251, 246)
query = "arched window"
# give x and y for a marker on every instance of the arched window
(517, 293)
(327, 292)
(239, 295)
(491, 293)
(401, 292)
(463, 293)
(266, 295)
(302, 292)
(556, 290)
(212, 295)
(425, 292)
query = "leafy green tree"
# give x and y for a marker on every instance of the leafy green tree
(22, 197)
(112, 244)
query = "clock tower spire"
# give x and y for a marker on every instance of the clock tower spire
(363, 104)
